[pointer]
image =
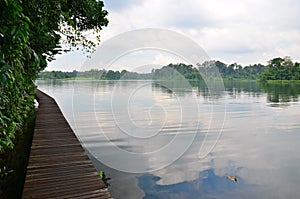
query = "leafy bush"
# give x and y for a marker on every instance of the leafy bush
(30, 34)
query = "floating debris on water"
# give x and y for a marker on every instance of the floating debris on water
(233, 178)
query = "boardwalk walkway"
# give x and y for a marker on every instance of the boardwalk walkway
(58, 166)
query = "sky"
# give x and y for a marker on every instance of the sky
(232, 31)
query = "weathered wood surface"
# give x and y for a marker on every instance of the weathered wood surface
(58, 165)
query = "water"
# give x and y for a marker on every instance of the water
(156, 134)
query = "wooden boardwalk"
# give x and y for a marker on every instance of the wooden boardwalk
(58, 166)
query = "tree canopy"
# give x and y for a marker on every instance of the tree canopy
(32, 32)
(281, 69)
(277, 69)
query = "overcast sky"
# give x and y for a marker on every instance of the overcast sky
(242, 31)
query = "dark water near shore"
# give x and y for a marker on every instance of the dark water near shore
(138, 126)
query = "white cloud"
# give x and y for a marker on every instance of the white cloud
(164, 59)
(247, 32)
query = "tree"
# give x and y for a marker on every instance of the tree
(53, 20)
(31, 32)
(280, 69)
(276, 62)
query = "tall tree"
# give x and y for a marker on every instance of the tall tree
(31, 32)
(280, 69)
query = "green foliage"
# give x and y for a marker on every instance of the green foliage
(3, 173)
(71, 20)
(281, 69)
(277, 69)
(93, 74)
(16, 86)
(172, 71)
(104, 178)
(165, 72)
(232, 71)
(30, 34)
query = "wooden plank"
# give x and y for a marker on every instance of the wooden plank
(58, 166)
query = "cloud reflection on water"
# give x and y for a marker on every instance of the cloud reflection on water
(258, 145)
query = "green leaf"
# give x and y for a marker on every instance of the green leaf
(101, 174)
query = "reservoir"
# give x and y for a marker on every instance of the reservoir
(156, 140)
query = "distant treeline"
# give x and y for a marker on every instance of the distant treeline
(232, 71)
(93, 74)
(277, 69)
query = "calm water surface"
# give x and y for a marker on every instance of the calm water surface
(259, 140)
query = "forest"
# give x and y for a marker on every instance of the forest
(276, 69)
(281, 69)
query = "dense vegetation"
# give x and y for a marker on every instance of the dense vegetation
(281, 69)
(235, 71)
(175, 70)
(93, 74)
(276, 69)
(189, 72)
(30, 34)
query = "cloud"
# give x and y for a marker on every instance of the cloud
(248, 31)
(67, 62)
